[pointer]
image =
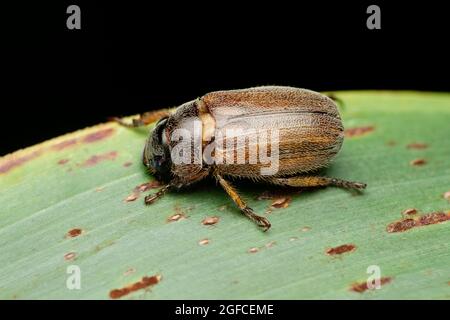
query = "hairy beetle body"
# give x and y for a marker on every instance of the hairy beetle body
(227, 133)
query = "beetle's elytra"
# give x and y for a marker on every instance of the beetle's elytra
(230, 134)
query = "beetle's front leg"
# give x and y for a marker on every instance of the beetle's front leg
(153, 197)
(144, 119)
(317, 181)
(259, 220)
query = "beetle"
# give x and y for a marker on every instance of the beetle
(309, 134)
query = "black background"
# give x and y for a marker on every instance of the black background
(131, 57)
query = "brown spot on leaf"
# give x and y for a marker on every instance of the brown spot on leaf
(74, 233)
(447, 195)
(409, 212)
(417, 145)
(176, 217)
(418, 162)
(305, 229)
(208, 221)
(293, 238)
(16, 161)
(95, 159)
(147, 186)
(433, 218)
(98, 135)
(64, 144)
(253, 250)
(360, 287)
(281, 202)
(142, 188)
(203, 242)
(127, 164)
(144, 283)
(131, 197)
(70, 256)
(341, 249)
(63, 161)
(424, 220)
(358, 131)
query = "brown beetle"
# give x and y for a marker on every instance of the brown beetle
(215, 135)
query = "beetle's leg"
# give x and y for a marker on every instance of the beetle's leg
(317, 181)
(259, 220)
(153, 197)
(144, 119)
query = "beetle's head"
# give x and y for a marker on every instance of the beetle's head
(156, 155)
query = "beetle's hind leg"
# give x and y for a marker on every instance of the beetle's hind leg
(317, 181)
(259, 220)
(144, 119)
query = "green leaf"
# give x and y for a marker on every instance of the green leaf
(80, 181)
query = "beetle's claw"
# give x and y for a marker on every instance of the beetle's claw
(151, 198)
(359, 185)
(264, 223)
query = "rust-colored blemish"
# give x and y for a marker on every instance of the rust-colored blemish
(281, 202)
(268, 245)
(70, 256)
(209, 221)
(424, 220)
(222, 208)
(305, 229)
(131, 197)
(360, 287)
(358, 131)
(409, 212)
(147, 186)
(127, 164)
(341, 249)
(142, 188)
(74, 233)
(176, 217)
(446, 195)
(203, 242)
(64, 144)
(417, 145)
(293, 238)
(144, 283)
(18, 161)
(418, 162)
(63, 161)
(98, 135)
(95, 159)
